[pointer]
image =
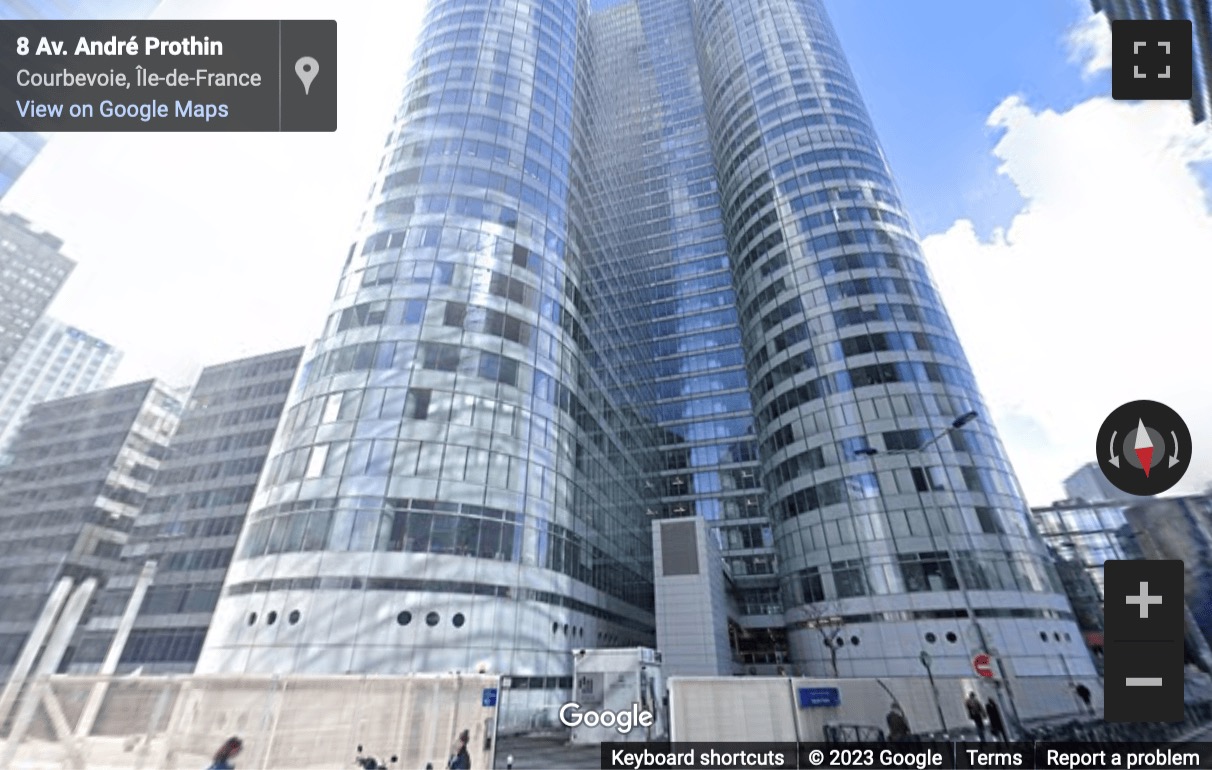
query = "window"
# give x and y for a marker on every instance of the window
(928, 571)
(813, 588)
(455, 314)
(989, 520)
(164, 645)
(414, 311)
(416, 406)
(849, 579)
(521, 255)
(444, 358)
(927, 479)
(443, 273)
(498, 368)
(404, 618)
(432, 619)
(904, 440)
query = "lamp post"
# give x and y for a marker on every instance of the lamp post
(956, 424)
(938, 704)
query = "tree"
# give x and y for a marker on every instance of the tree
(825, 619)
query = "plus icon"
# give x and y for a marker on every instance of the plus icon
(1144, 600)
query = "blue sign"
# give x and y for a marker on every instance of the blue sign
(811, 697)
(488, 698)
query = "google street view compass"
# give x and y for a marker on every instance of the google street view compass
(1144, 448)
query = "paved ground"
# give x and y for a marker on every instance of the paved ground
(547, 753)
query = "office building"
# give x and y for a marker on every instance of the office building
(1087, 601)
(1089, 484)
(32, 269)
(1180, 528)
(637, 263)
(80, 474)
(1199, 13)
(1085, 535)
(193, 515)
(1088, 534)
(19, 148)
(55, 361)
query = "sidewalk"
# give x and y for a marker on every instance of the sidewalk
(547, 753)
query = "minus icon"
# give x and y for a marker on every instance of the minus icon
(1143, 681)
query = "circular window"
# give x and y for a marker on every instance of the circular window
(252, 618)
(840, 642)
(1068, 638)
(951, 637)
(854, 640)
(432, 619)
(1056, 635)
(404, 618)
(931, 638)
(458, 620)
(294, 617)
(581, 633)
(271, 618)
(565, 629)
(555, 628)
(1043, 636)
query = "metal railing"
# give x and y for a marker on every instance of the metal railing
(1094, 730)
(852, 733)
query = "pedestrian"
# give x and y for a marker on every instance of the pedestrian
(230, 748)
(460, 759)
(997, 728)
(976, 712)
(898, 726)
(1083, 692)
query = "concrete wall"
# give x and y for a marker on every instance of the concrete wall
(691, 599)
(767, 709)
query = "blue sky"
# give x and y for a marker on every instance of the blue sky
(931, 72)
(1044, 207)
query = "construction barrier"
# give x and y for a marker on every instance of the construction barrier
(286, 723)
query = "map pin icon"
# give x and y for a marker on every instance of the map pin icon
(307, 68)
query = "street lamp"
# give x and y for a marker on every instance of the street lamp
(963, 420)
(938, 704)
(956, 424)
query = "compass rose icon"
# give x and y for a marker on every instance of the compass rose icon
(1144, 448)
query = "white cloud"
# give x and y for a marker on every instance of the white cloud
(1090, 45)
(1097, 292)
(197, 248)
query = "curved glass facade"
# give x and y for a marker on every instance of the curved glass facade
(662, 258)
(901, 541)
(452, 454)
(642, 263)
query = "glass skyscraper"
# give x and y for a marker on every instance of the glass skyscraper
(32, 270)
(646, 261)
(54, 361)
